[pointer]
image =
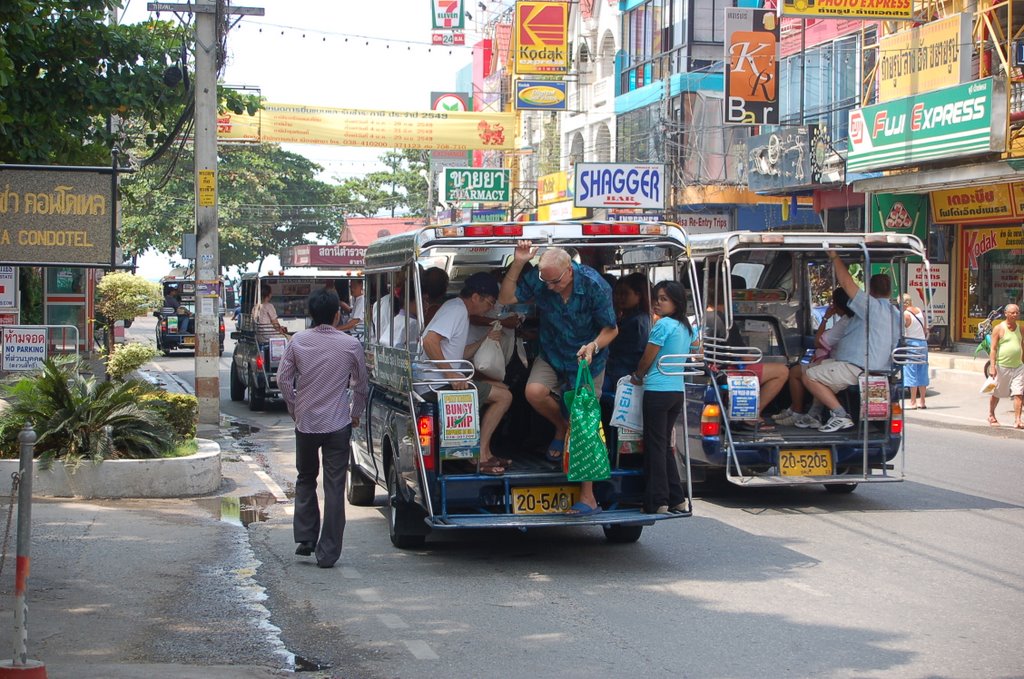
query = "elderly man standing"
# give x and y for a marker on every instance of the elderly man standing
(577, 322)
(873, 332)
(1007, 361)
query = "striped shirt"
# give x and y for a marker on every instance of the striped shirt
(319, 366)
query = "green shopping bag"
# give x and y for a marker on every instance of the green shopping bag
(585, 443)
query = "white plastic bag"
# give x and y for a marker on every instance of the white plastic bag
(989, 385)
(489, 359)
(629, 405)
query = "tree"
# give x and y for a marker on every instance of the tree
(268, 199)
(123, 296)
(402, 185)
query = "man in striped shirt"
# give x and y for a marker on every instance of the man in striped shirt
(319, 368)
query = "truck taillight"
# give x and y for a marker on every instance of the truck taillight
(163, 326)
(425, 429)
(896, 422)
(711, 420)
(259, 361)
(222, 327)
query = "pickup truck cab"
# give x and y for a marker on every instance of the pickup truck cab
(258, 351)
(399, 446)
(770, 288)
(175, 328)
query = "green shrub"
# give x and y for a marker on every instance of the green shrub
(128, 358)
(178, 410)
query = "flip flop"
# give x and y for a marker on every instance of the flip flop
(583, 509)
(555, 450)
(992, 421)
(492, 467)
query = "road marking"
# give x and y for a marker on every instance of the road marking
(350, 573)
(805, 588)
(271, 484)
(392, 621)
(420, 649)
(368, 595)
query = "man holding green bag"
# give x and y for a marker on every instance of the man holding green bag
(577, 323)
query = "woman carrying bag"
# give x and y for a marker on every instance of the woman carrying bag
(915, 332)
(664, 399)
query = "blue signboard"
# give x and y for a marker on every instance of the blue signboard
(540, 95)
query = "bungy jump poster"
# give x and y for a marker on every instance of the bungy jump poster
(460, 424)
(930, 290)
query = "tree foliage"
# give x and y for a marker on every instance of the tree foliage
(402, 187)
(268, 199)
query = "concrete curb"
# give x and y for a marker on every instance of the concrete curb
(198, 474)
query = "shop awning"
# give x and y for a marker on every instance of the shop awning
(924, 181)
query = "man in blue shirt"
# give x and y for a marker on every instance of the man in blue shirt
(577, 322)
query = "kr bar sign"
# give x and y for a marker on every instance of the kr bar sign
(618, 185)
(752, 50)
(962, 120)
(477, 185)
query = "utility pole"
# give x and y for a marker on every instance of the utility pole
(212, 18)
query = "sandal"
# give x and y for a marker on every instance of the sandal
(992, 421)
(492, 467)
(583, 509)
(555, 450)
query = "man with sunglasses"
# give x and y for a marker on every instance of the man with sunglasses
(577, 322)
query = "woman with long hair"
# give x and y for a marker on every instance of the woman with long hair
(915, 333)
(631, 297)
(664, 399)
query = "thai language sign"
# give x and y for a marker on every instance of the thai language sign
(55, 217)
(542, 37)
(338, 256)
(925, 58)
(620, 185)
(477, 185)
(752, 51)
(930, 290)
(850, 9)
(436, 130)
(991, 203)
(957, 121)
(553, 188)
(24, 348)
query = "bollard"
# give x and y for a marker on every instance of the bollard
(21, 666)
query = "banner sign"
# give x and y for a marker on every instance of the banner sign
(903, 213)
(55, 216)
(540, 95)
(341, 256)
(24, 348)
(962, 120)
(542, 38)
(931, 292)
(850, 9)
(553, 188)
(752, 51)
(925, 58)
(704, 223)
(991, 203)
(448, 14)
(620, 185)
(440, 130)
(460, 426)
(483, 216)
(477, 185)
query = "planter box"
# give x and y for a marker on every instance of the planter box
(197, 474)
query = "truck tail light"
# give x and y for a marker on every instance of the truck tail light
(711, 420)
(896, 422)
(259, 361)
(425, 429)
(222, 327)
(163, 325)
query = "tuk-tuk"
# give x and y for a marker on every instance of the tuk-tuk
(771, 287)
(176, 319)
(258, 351)
(401, 446)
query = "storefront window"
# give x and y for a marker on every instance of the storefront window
(992, 272)
(63, 280)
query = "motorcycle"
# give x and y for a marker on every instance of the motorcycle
(984, 335)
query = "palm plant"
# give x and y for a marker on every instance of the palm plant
(80, 418)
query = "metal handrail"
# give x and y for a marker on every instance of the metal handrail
(434, 374)
(716, 351)
(682, 365)
(910, 356)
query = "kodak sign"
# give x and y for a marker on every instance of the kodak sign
(542, 37)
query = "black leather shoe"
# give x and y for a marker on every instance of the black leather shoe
(305, 548)
(321, 564)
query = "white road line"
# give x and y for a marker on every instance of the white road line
(272, 485)
(350, 573)
(805, 588)
(420, 649)
(368, 595)
(392, 621)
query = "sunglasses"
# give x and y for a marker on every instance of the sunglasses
(556, 281)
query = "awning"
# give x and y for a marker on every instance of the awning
(924, 181)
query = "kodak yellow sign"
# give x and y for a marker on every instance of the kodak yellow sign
(435, 130)
(542, 38)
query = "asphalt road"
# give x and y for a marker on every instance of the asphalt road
(915, 579)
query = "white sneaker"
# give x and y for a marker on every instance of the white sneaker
(785, 418)
(836, 423)
(807, 422)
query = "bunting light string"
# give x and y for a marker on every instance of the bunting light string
(355, 39)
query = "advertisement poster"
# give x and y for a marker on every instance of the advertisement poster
(744, 394)
(24, 348)
(460, 424)
(931, 293)
(752, 52)
(542, 38)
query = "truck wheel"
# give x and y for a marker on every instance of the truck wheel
(257, 396)
(361, 490)
(841, 488)
(400, 513)
(622, 534)
(237, 385)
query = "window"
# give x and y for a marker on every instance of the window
(831, 79)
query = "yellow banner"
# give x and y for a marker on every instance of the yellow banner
(850, 9)
(435, 130)
(925, 58)
(990, 203)
(552, 188)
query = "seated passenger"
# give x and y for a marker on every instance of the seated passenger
(266, 317)
(172, 299)
(407, 326)
(825, 341)
(354, 324)
(631, 298)
(873, 332)
(435, 288)
(445, 338)
(771, 377)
